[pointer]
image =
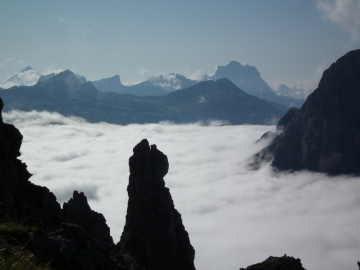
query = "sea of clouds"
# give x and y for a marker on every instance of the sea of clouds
(235, 217)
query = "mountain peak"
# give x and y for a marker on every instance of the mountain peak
(235, 71)
(25, 77)
(27, 69)
(67, 76)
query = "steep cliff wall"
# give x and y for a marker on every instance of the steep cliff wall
(324, 136)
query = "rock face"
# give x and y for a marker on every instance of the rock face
(153, 234)
(324, 136)
(19, 198)
(77, 211)
(277, 263)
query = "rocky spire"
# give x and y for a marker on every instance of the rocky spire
(77, 211)
(153, 234)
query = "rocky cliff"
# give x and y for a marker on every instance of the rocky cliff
(78, 211)
(324, 136)
(19, 198)
(153, 232)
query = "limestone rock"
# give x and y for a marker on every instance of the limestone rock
(153, 234)
(77, 211)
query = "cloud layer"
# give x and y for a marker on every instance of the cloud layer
(344, 13)
(234, 217)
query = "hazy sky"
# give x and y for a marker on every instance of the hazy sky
(288, 41)
(234, 217)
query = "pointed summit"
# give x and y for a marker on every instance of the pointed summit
(27, 69)
(26, 77)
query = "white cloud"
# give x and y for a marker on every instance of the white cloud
(202, 99)
(14, 60)
(75, 26)
(344, 13)
(49, 70)
(167, 82)
(197, 75)
(144, 72)
(25, 78)
(234, 217)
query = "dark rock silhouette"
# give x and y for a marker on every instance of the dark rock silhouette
(20, 199)
(77, 211)
(153, 234)
(324, 136)
(289, 116)
(277, 263)
(73, 248)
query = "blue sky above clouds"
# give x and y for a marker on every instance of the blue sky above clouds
(289, 42)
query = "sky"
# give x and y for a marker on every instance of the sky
(289, 42)
(235, 217)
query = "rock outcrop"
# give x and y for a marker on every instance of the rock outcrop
(324, 136)
(19, 198)
(77, 211)
(72, 247)
(153, 234)
(277, 263)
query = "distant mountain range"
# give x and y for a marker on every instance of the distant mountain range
(205, 101)
(25, 77)
(245, 77)
(155, 86)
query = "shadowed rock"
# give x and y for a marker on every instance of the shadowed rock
(153, 234)
(20, 199)
(324, 136)
(277, 263)
(73, 248)
(78, 211)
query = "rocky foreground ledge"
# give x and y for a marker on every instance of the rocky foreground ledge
(36, 233)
